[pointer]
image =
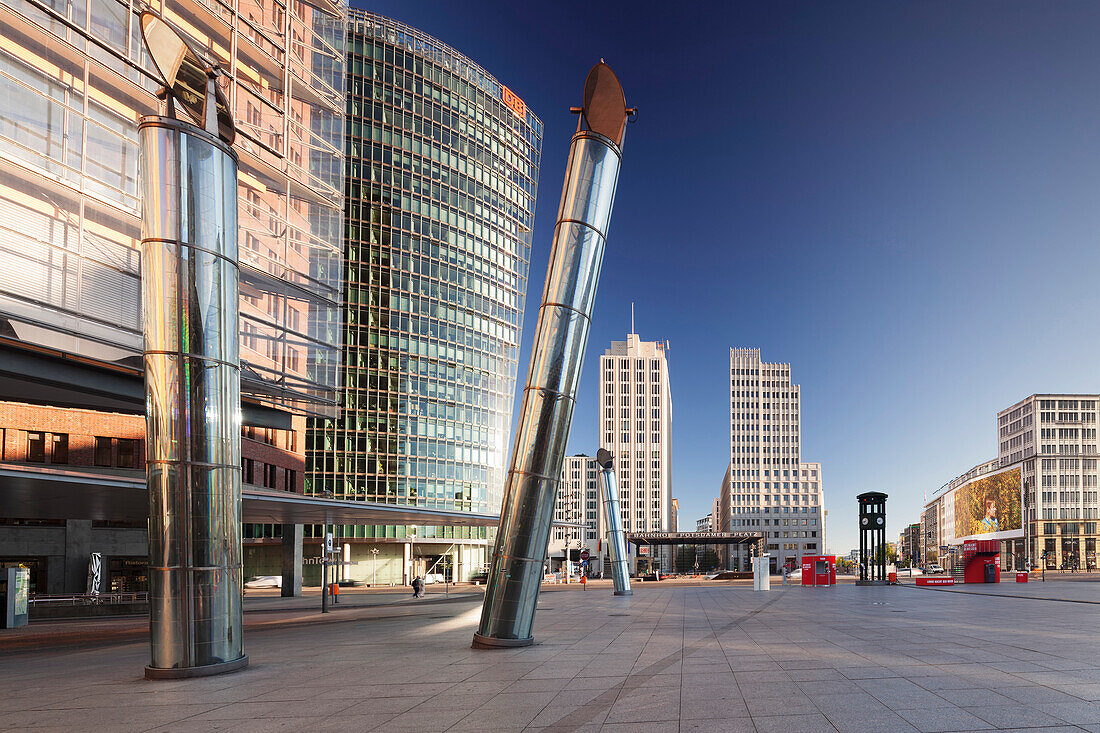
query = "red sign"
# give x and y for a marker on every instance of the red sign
(513, 102)
(585, 555)
(934, 581)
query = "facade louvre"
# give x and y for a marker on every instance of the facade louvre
(442, 171)
(75, 78)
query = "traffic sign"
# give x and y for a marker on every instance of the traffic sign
(585, 555)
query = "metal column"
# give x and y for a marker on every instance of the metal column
(561, 337)
(616, 540)
(192, 387)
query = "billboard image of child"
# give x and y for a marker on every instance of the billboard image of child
(989, 507)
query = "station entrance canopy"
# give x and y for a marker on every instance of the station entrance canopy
(31, 492)
(694, 538)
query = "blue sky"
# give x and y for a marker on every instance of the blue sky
(898, 199)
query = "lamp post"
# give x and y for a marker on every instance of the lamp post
(373, 567)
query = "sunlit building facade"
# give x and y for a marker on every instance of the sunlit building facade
(578, 503)
(74, 80)
(767, 487)
(442, 168)
(636, 427)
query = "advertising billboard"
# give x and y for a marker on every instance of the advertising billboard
(987, 508)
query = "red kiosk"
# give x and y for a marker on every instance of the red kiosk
(982, 561)
(819, 570)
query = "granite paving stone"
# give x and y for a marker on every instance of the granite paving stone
(686, 658)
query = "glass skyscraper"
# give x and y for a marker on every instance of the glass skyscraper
(74, 80)
(442, 170)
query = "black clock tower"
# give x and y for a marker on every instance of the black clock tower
(872, 538)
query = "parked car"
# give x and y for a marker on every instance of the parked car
(265, 581)
(934, 568)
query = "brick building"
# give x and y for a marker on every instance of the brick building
(113, 444)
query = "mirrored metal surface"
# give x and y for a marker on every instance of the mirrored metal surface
(193, 423)
(616, 540)
(546, 415)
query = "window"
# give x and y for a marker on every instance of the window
(127, 453)
(291, 480)
(247, 470)
(36, 447)
(102, 451)
(269, 475)
(60, 452)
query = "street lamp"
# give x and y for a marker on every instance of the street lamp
(374, 567)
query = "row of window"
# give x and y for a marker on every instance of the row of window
(103, 453)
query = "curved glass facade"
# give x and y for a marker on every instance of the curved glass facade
(442, 169)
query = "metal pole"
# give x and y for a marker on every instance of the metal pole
(616, 539)
(192, 386)
(324, 569)
(561, 337)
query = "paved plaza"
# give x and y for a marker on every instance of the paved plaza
(715, 657)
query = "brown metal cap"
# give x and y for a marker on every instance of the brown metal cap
(603, 457)
(604, 108)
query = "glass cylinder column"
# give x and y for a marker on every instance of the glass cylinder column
(192, 388)
(616, 540)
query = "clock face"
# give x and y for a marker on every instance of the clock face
(878, 521)
(864, 521)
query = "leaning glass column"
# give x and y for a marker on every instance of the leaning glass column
(616, 540)
(547, 411)
(192, 389)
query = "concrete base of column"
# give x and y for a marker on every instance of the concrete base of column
(207, 670)
(292, 560)
(624, 592)
(488, 642)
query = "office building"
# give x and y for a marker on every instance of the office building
(767, 486)
(706, 524)
(909, 545)
(578, 502)
(635, 425)
(442, 171)
(1047, 452)
(75, 80)
(1053, 438)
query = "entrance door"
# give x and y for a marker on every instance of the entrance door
(990, 573)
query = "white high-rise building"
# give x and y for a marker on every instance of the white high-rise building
(636, 427)
(769, 488)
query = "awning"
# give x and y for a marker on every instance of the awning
(40, 492)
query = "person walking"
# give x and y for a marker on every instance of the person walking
(418, 586)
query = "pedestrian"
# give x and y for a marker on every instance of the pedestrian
(417, 585)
